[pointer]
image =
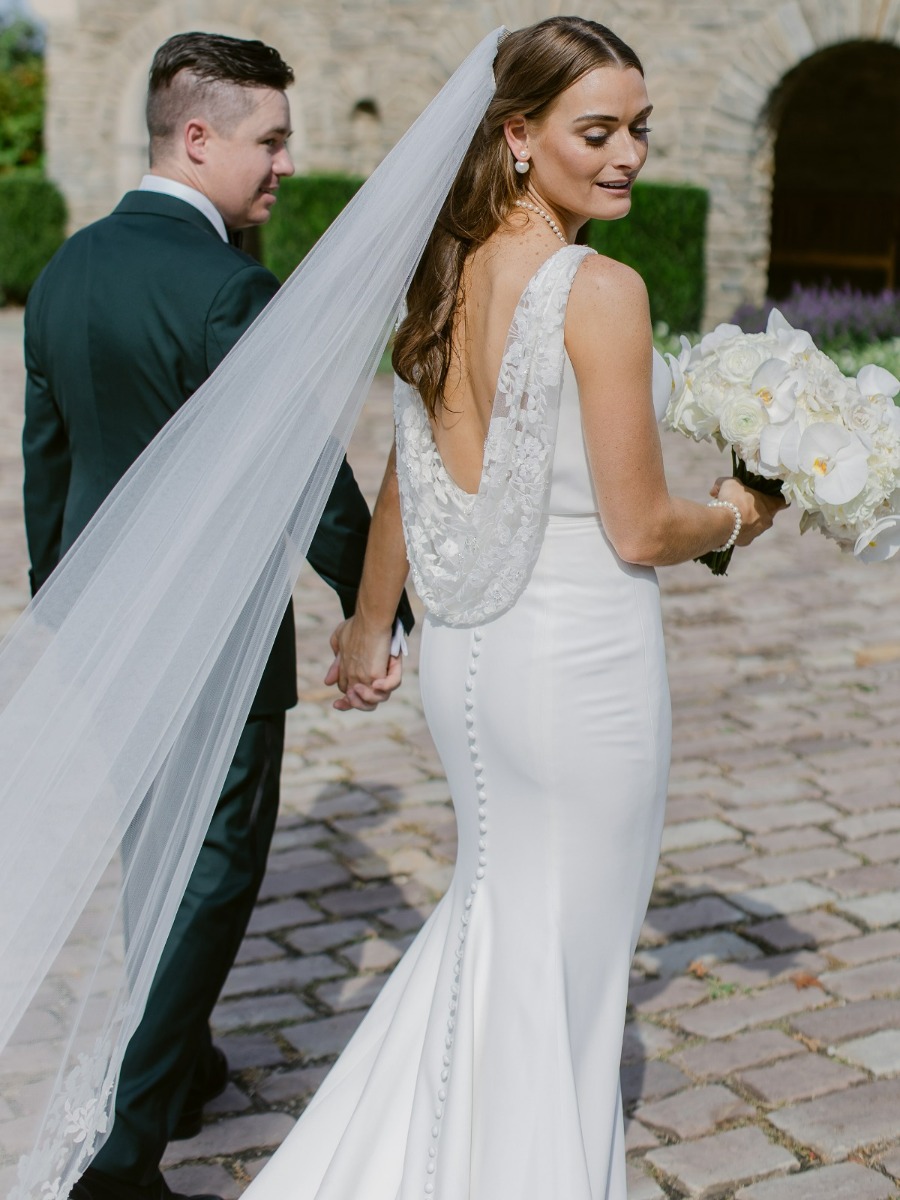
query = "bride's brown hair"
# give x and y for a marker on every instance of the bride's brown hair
(533, 66)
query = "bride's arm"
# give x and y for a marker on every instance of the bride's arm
(363, 668)
(609, 340)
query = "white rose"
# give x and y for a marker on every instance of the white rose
(741, 421)
(826, 388)
(740, 359)
(863, 417)
(686, 415)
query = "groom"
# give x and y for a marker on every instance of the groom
(126, 322)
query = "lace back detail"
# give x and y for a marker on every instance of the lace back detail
(471, 554)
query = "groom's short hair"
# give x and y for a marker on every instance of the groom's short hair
(208, 75)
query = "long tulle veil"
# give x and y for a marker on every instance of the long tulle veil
(125, 684)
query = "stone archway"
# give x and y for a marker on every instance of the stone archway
(836, 194)
(736, 152)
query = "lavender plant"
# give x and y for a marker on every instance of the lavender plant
(836, 318)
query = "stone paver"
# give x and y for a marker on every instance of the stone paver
(769, 966)
(705, 913)
(721, 1018)
(815, 928)
(846, 1181)
(698, 833)
(798, 1079)
(784, 898)
(842, 1022)
(891, 1163)
(837, 1125)
(711, 948)
(710, 1165)
(876, 911)
(868, 948)
(641, 1186)
(643, 1041)
(861, 983)
(716, 1060)
(878, 1053)
(696, 1112)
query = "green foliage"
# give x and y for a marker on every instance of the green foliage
(307, 204)
(883, 354)
(664, 239)
(32, 228)
(21, 96)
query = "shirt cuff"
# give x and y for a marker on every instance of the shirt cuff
(398, 641)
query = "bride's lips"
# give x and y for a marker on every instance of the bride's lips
(620, 186)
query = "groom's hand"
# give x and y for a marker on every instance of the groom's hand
(363, 667)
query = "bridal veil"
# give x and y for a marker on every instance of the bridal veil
(125, 684)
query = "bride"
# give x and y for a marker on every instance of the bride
(529, 483)
(534, 508)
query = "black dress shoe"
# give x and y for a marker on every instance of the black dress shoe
(94, 1185)
(214, 1083)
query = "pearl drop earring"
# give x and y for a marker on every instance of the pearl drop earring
(523, 166)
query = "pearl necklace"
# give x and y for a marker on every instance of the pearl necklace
(542, 212)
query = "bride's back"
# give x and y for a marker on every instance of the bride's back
(493, 279)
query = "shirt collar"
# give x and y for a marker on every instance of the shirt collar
(181, 191)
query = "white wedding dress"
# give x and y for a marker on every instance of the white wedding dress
(488, 1067)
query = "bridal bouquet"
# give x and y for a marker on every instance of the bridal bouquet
(798, 427)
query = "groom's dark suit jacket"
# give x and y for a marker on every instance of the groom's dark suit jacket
(126, 322)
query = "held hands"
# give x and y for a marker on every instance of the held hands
(363, 667)
(757, 510)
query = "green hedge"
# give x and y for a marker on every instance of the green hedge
(307, 204)
(32, 228)
(664, 238)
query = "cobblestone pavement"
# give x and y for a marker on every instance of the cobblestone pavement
(762, 1055)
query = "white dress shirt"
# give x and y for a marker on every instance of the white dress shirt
(181, 191)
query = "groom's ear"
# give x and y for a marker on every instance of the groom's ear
(197, 135)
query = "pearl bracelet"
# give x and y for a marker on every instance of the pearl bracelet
(738, 522)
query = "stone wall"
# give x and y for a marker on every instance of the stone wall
(365, 68)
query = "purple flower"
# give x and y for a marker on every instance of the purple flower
(837, 318)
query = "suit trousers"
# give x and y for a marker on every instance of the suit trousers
(170, 1048)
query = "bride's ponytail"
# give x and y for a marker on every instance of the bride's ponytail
(532, 68)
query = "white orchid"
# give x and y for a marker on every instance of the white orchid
(881, 541)
(790, 342)
(874, 382)
(712, 341)
(789, 414)
(778, 449)
(835, 460)
(773, 387)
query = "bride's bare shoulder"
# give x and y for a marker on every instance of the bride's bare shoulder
(609, 292)
(602, 280)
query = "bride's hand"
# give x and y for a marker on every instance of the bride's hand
(363, 667)
(757, 509)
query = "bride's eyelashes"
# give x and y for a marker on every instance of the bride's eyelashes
(600, 139)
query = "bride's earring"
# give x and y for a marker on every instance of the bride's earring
(523, 166)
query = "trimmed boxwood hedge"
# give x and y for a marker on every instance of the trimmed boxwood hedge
(32, 228)
(307, 204)
(664, 238)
